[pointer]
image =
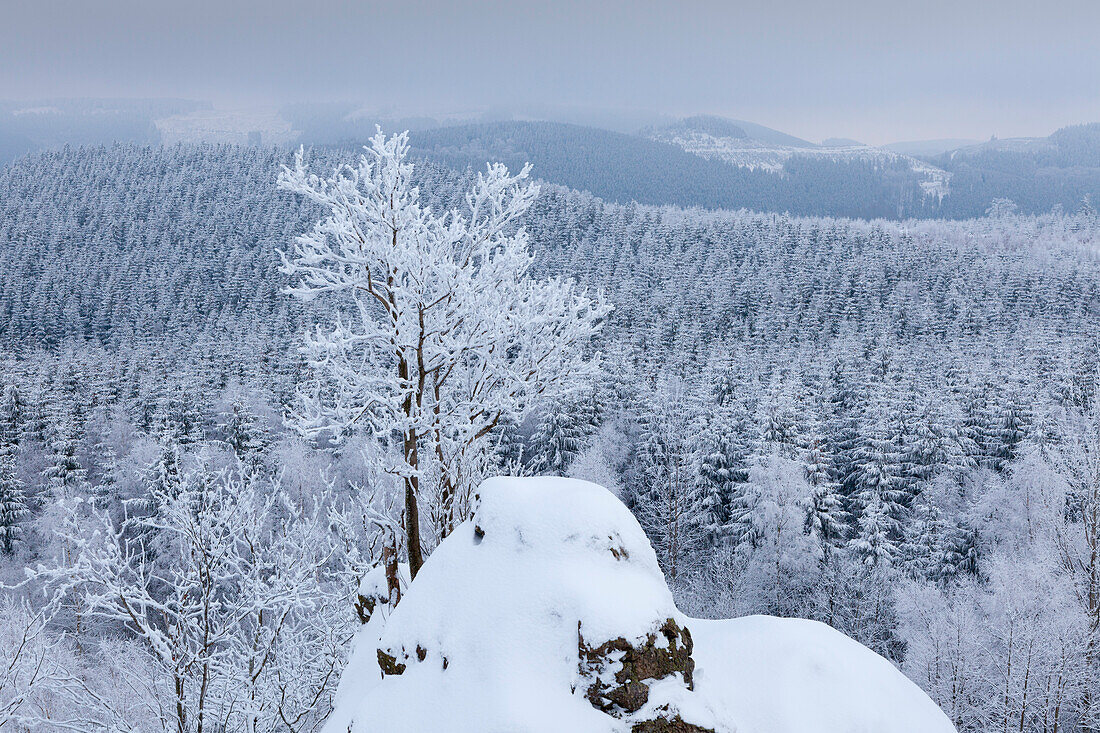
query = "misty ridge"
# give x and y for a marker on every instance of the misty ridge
(701, 161)
(491, 368)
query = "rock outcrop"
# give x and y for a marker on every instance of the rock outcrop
(548, 612)
(619, 674)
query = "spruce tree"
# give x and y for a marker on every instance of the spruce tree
(12, 415)
(13, 501)
(105, 492)
(558, 438)
(64, 474)
(509, 444)
(878, 508)
(242, 433)
(1010, 431)
(960, 553)
(825, 515)
(718, 474)
(841, 427)
(923, 547)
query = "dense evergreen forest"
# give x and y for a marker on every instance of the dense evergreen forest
(878, 424)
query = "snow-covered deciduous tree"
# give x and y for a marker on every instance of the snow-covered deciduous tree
(668, 498)
(439, 330)
(602, 461)
(30, 666)
(770, 518)
(234, 609)
(1077, 462)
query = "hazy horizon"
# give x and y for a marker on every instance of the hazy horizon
(876, 72)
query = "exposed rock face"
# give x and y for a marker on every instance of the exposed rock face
(667, 725)
(620, 674)
(392, 665)
(389, 664)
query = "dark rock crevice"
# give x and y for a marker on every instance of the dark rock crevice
(619, 674)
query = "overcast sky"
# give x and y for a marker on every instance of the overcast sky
(875, 70)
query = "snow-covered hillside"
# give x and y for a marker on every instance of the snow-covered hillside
(752, 153)
(547, 611)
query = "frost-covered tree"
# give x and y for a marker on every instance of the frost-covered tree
(770, 518)
(1077, 463)
(13, 501)
(440, 330)
(64, 474)
(878, 525)
(558, 438)
(242, 432)
(825, 516)
(667, 498)
(240, 611)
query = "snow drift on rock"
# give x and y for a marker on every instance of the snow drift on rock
(489, 638)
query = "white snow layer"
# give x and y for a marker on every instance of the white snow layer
(489, 634)
(789, 675)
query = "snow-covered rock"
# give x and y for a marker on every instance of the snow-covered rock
(785, 675)
(547, 611)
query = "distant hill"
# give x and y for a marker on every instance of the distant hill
(716, 126)
(1036, 173)
(1069, 147)
(761, 148)
(768, 135)
(722, 127)
(611, 165)
(700, 161)
(842, 142)
(625, 168)
(928, 147)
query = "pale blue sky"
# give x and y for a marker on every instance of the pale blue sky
(876, 71)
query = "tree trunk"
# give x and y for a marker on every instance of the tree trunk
(412, 481)
(181, 712)
(389, 561)
(412, 526)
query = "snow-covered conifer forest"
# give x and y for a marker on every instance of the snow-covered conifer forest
(217, 419)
